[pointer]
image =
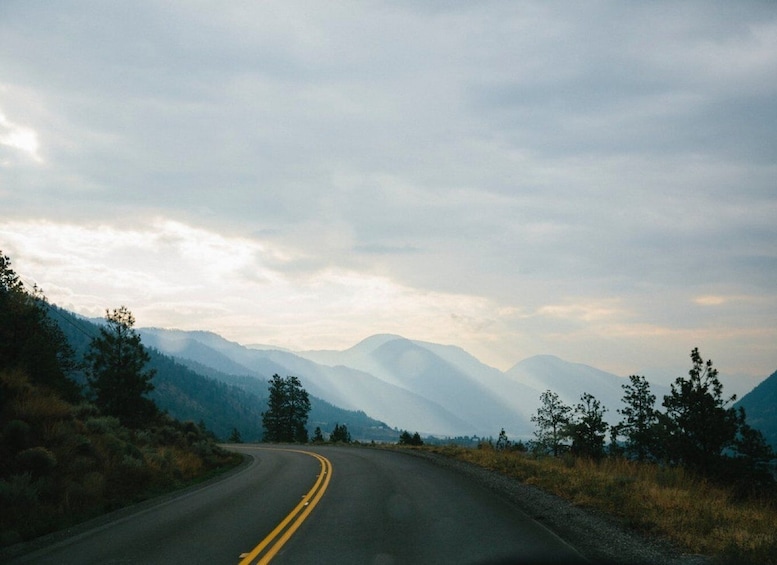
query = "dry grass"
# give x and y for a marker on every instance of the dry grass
(699, 516)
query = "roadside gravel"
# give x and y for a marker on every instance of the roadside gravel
(598, 537)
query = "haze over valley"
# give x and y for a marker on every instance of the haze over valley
(587, 181)
(435, 389)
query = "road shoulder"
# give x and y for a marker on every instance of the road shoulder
(600, 538)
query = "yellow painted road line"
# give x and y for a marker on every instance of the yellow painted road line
(283, 531)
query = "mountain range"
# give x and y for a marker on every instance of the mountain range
(760, 405)
(223, 401)
(434, 389)
(381, 385)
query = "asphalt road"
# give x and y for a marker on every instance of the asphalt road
(377, 507)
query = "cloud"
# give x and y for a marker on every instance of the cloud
(528, 171)
(176, 275)
(19, 138)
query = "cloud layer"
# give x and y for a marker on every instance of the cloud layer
(591, 180)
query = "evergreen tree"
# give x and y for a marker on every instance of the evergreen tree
(273, 418)
(30, 341)
(699, 426)
(589, 428)
(751, 464)
(287, 411)
(116, 374)
(318, 437)
(553, 420)
(502, 443)
(235, 436)
(405, 438)
(640, 418)
(340, 434)
(298, 410)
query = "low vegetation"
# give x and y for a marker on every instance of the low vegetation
(697, 514)
(695, 473)
(68, 453)
(63, 463)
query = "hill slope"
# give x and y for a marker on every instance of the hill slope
(342, 386)
(760, 406)
(223, 401)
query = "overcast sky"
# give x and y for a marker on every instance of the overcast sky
(594, 180)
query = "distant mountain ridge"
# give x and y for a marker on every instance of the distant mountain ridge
(421, 386)
(760, 406)
(223, 398)
(401, 383)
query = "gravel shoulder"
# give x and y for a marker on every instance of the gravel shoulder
(598, 537)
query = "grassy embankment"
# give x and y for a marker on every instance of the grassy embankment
(62, 463)
(697, 515)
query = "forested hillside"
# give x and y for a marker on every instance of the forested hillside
(188, 390)
(66, 455)
(761, 407)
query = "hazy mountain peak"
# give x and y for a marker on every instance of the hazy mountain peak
(370, 344)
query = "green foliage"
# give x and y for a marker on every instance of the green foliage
(761, 407)
(61, 458)
(588, 429)
(405, 438)
(639, 419)
(502, 442)
(318, 437)
(698, 424)
(29, 340)
(699, 431)
(287, 411)
(61, 463)
(235, 436)
(552, 419)
(187, 395)
(117, 374)
(340, 434)
(37, 461)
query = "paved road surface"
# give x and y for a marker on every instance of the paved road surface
(380, 507)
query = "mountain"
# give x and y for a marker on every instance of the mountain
(222, 397)
(477, 393)
(435, 389)
(760, 406)
(346, 387)
(404, 384)
(571, 380)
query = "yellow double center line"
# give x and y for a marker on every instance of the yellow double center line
(283, 531)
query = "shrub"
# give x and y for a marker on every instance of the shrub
(37, 461)
(103, 424)
(17, 435)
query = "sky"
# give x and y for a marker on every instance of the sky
(593, 180)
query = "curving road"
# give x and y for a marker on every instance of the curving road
(376, 507)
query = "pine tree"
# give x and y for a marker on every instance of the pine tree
(640, 418)
(502, 442)
(298, 410)
(287, 411)
(116, 373)
(699, 425)
(30, 340)
(405, 438)
(340, 434)
(589, 428)
(552, 419)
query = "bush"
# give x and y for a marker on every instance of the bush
(37, 461)
(17, 435)
(103, 424)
